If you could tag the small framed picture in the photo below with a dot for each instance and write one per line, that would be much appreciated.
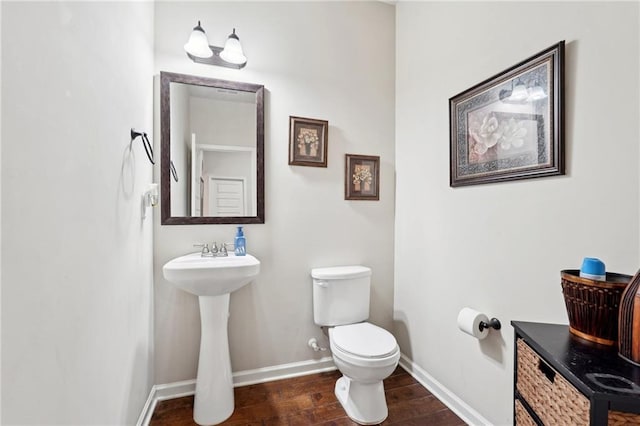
(362, 177)
(308, 140)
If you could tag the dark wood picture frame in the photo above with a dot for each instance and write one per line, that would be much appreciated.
(510, 126)
(308, 141)
(362, 177)
(166, 218)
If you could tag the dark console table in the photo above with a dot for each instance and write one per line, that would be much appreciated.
(562, 379)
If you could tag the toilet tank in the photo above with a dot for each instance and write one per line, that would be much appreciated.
(341, 294)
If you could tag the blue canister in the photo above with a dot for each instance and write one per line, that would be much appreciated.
(593, 269)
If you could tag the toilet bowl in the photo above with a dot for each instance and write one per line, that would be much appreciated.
(365, 355)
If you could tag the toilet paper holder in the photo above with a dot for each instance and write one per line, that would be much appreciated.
(493, 323)
(476, 324)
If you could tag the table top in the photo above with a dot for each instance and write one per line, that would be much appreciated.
(596, 370)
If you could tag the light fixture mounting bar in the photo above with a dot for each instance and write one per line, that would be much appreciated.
(215, 59)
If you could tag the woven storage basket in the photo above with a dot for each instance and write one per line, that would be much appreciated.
(618, 418)
(522, 416)
(592, 306)
(554, 399)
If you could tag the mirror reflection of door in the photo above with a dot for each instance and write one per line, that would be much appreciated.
(226, 196)
(237, 166)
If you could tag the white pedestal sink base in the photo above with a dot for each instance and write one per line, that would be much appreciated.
(212, 279)
(214, 401)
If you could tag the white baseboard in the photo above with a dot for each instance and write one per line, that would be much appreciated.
(163, 392)
(283, 371)
(240, 378)
(448, 398)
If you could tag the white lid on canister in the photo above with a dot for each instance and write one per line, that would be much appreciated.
(340, 272)
(364, 340)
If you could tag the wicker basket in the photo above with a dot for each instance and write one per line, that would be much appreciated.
(593, 306)
(552, 397)
(522, 416)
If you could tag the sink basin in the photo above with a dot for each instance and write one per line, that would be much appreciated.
(212, 279)
(211, 276)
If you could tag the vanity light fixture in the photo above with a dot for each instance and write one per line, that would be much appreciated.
(198, 44)
(200, 51)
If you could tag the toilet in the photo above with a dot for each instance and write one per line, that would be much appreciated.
(364, 353)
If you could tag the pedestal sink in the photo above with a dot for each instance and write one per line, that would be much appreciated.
(212, 279)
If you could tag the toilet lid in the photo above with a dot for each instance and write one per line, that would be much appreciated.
(364, 340)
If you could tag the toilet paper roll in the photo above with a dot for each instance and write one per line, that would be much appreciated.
(469, 322)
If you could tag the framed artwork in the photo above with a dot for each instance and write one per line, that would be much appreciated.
(308, 140)
(511, 125)
(362, 177)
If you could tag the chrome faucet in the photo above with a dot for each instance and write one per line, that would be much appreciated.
(205, 250)
(219, 252)
(214, 251)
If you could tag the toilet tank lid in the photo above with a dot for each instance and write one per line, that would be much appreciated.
(341, 272)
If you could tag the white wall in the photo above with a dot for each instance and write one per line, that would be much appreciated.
(341, 69)
(500, 248)
(224, 122)
(76, 257)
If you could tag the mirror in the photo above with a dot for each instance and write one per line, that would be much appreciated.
(212, 150)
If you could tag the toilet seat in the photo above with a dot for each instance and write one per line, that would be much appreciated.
(364, 340)
(363, 344)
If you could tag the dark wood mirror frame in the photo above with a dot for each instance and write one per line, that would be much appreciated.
(165, 156)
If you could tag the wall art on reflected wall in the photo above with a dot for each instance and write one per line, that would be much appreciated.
(510, 126)
(362, 177)
(308, 140)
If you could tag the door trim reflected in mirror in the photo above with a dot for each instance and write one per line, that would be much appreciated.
(165, 156)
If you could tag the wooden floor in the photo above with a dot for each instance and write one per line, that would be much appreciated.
(309, 400)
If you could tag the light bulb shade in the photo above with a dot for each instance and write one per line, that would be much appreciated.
(198, 44)
(519, 93)
(232, 52)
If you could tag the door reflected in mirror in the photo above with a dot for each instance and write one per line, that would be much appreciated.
(213, 133)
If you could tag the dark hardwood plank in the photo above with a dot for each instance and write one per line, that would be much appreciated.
(310, 400)
(439, 418)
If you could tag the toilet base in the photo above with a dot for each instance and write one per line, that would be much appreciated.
(364, 403)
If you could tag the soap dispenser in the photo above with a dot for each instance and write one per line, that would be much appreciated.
(240, 243)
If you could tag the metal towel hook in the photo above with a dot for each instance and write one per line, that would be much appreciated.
(145, 142)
